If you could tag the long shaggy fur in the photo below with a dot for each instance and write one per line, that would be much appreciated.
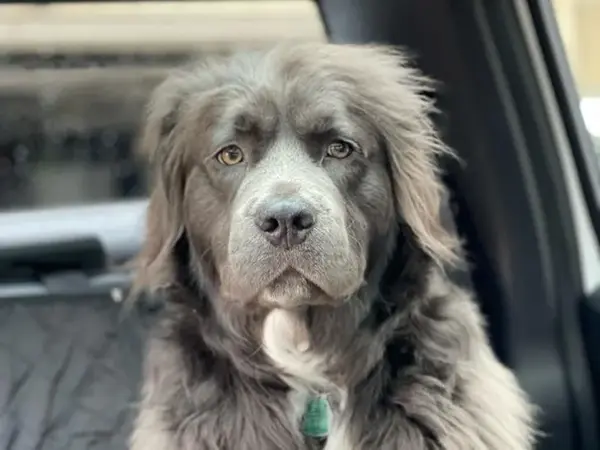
(367, 317)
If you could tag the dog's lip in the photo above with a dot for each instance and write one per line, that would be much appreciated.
(323, 297)
(316, 294)
(323, 290)
(333, 297)
(291, 271)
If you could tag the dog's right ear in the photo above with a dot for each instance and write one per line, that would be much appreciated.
(160, 145)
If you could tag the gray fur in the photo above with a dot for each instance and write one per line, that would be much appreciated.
(251, 330)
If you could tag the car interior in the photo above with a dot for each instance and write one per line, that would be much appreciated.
(74, 76)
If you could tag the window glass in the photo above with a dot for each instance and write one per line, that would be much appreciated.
(74, 78)
(579, 24)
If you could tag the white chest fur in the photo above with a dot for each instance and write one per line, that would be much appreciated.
(287, 342)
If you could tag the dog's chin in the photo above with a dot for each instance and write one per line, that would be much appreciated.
(291, 290)
(289, 284)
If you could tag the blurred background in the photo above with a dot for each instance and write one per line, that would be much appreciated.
(74, 78)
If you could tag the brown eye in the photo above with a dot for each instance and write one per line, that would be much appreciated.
(230, 155)
(339, 149)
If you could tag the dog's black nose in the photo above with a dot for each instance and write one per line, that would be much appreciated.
(286, 222)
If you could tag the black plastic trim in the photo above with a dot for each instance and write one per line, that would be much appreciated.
(521, 50)
(586, 162)
(69, 285)
(28, 260)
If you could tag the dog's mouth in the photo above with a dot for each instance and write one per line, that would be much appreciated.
(291, 290)
(324, 270)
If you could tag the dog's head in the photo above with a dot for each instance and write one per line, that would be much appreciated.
(288, 170)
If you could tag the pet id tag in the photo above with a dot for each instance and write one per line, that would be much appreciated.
(315, 422)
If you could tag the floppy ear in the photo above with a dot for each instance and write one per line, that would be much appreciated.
(403, 117)
(160, 146)
(170, 123)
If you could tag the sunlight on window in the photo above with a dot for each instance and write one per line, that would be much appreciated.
(579, 23)
(590, 107)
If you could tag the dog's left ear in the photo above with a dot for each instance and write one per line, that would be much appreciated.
(403, 118)
(160, 145)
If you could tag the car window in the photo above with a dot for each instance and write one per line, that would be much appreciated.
(74, 78)
(578, 24)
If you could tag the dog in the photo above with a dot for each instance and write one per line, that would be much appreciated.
(294, 230)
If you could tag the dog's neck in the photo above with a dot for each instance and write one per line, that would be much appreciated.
(319, 347)
(307, 348)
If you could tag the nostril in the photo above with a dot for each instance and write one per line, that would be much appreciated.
(285, 222)
(269, 225)
(303, 221)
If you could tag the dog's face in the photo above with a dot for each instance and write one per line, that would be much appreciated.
(286, 169)
(309, 191)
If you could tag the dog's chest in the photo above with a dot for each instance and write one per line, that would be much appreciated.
(286, 342)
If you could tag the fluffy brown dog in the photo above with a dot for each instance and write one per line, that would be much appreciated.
(295, 230)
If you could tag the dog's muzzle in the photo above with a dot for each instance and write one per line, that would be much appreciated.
(289, 236)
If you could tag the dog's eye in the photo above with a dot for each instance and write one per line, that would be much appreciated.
(230, 155)
(340, 149)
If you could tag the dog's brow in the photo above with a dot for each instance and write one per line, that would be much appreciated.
(323, 124)
(245, 123)
(255, 123)
(331, 125)
(314, 124)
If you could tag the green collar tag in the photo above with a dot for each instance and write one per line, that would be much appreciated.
(317, 416)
